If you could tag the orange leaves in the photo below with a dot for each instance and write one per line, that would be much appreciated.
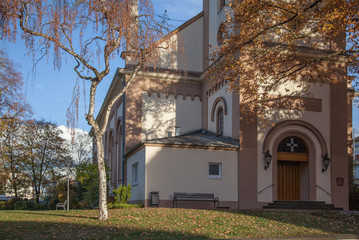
(271, 45)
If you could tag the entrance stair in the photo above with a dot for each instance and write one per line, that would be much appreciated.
(307, 205)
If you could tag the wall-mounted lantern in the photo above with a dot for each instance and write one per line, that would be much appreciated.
(326, 162)
(267, 160)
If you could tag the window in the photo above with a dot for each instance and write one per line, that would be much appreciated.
(220, 4)
(220, 34)
(214, 170)
(135, 174)
(220, 122)
(293, 145)
(177, 131)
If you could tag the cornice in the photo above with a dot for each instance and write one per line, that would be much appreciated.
(164, 75)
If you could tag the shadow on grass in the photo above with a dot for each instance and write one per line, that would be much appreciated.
(330, 222)
(61, 214)
(63, 230)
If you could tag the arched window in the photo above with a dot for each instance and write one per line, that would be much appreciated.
(111, 160)
(220, 5)
(220, 121)
(292, 145)
(119, 156)
(220, 34)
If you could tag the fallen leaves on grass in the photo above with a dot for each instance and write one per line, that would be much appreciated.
(160, 223)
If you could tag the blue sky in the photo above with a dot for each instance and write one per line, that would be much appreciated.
(49, 91)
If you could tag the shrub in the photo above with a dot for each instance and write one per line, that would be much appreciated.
(19, 205)
(354, 201)
(84, 205)
(51, 204)
(3, 205)
(40, 207)
(92, 195)
(122, 194)
(62, 196)
(30, 205)
(124, 205)
(87, 175)
(111, 199)
(24, 205)
(12, 201)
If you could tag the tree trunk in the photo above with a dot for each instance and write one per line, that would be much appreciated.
(102, 178)
(15, 188)
(37, 196)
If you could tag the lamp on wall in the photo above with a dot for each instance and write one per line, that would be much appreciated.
(267, 160)
(326, 162)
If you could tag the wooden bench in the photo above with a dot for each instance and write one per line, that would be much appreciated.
(204, 197)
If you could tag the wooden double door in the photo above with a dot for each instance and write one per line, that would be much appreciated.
(292, 168)
(288, 180)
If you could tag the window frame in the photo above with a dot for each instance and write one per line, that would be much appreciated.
(219, 176)
(220, 130)
(220, 34)
(135, 170)
(220, 5)
(177, 131)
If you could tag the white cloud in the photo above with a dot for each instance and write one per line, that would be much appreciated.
(66, 133)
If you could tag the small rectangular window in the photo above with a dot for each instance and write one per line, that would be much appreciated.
(214, 170)
(135, 174)
(177, 131)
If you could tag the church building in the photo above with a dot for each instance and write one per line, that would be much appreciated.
(175, 131)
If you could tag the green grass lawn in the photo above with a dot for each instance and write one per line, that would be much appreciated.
(160, 223)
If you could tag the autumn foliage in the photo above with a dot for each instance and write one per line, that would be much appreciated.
(268, 44)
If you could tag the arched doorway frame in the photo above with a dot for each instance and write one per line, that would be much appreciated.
(311, 161)
(277, 134)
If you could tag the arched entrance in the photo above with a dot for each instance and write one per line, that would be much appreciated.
(316, 149)
(292, 169)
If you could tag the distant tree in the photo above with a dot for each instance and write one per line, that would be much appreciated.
(44, 151)
(267, 44)
(13, 108)
(16, 181)
(82, 147)
(92, 33)
(12, 101)
(87, 177)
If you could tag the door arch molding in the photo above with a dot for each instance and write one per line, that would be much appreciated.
(311, 161)
(277, 128)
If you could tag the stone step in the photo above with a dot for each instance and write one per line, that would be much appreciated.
(309, 205)
(299, 202)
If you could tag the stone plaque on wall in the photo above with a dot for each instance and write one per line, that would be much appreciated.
(296, 103)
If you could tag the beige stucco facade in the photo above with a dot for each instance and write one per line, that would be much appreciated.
(138, 188)
(184, 48)
(161, 115)
(167, 170)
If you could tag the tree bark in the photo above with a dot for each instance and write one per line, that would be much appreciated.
(102, 178)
